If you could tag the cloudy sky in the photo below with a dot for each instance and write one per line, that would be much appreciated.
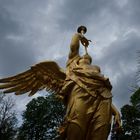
(37, 30)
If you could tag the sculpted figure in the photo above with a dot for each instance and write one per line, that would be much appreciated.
(88, 96)
(84, 90)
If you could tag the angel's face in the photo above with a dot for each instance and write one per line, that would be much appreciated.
(82, 31)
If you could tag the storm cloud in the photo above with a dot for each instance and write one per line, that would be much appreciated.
(32, 31)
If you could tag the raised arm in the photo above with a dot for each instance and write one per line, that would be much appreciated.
(74, 46)
(75, 42)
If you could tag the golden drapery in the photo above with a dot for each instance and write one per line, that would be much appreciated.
(88, 101)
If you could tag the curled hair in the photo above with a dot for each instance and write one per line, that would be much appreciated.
(81, 28)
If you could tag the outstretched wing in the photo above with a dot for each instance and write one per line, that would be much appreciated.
(43, 75)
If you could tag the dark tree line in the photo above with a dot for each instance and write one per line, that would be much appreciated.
(41, 119)
(130, 120)
(131, 113)
(131, 117)
(43, 116)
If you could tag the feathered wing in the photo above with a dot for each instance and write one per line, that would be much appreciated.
(43, 75)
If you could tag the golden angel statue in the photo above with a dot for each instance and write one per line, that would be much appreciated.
(84, 90)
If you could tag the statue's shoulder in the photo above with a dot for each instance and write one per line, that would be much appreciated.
(77, 35)
(73, 60)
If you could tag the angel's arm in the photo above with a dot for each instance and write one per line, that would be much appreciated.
(75, 44)
(116, 115)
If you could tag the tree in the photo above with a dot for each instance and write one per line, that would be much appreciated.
(7, 118)
(41, 119)
(131, 118)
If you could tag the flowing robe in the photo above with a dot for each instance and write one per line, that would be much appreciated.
(88, 99)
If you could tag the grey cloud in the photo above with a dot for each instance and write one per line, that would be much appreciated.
(123, 90)
(122, 50)
(120, 59)
(32, 30)
(124, 15)
(132, 12)
(15, 58)
(7, 25)
(15, 54)
(79, 12)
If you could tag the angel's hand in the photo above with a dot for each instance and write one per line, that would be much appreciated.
(85, 42)
(117, 119)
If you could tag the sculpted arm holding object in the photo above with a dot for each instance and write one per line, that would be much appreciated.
(75, 42)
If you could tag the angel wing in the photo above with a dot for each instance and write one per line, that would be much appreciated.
(43, 75)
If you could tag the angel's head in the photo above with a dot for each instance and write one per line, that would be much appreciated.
(86, 59)
(82, 29)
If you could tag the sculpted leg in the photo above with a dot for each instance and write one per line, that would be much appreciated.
(99, 126)
(101, 133)
(74, 132)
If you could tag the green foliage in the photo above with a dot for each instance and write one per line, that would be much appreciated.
(41, 119)
(131, 118)
(135, 98)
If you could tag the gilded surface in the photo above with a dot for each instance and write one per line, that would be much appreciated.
(88, 96)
